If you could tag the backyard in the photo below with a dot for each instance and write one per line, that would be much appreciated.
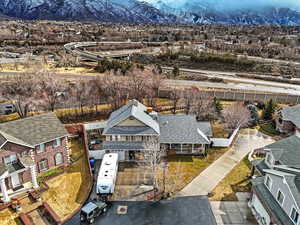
(236, 181)
(67, 191)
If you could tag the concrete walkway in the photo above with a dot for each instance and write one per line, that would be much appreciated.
(206, 181)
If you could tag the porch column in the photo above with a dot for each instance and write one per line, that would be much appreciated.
(4, 191)
(193, 148)
(33, 177)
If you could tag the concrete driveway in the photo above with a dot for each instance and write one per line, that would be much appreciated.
(232, 213)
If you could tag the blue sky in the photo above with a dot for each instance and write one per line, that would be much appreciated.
(233, 4)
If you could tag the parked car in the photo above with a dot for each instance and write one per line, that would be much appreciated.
(92, 210)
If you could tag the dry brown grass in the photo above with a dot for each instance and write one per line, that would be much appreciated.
(8, 217)
(69, 190)
(183, 169)
(236, 181)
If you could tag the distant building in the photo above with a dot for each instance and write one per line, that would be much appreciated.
(28, 148)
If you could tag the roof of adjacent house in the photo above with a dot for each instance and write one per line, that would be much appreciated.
(287, 150)
(260, 165)
(291, 113)
(133, 109)
(182, 128)
(34, 130)
(270, 202)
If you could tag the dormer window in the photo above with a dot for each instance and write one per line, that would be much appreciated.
(268, 182)
(294, 216)
(280, 197)
(269, 159)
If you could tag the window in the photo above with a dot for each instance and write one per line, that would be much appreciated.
(269, 159)
(268, 182)
(40, 148)
(24, 153)
(295, 216)
(58, 158)
(10, 159)
(280, 197)
(43, 164)
(57, 142)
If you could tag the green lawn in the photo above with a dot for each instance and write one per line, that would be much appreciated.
(268, 129)
(236, 181)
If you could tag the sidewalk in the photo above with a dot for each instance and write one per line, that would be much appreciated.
(206, 181)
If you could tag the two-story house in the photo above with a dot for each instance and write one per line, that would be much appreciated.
(28, 148)
(288, 119)
(276, 191)
(130, 128)
(276, 196)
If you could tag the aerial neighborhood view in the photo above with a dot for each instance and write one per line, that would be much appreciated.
(150, 112)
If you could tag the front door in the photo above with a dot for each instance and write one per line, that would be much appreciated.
(15, 180)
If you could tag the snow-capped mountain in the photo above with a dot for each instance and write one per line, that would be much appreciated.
(283, 12)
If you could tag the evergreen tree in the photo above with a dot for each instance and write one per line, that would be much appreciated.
(269, 110)
(218, 105)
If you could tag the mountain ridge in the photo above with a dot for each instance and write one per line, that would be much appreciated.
(139, 11)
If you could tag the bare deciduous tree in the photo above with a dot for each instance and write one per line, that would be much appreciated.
(21, 90)
(175, 97)
(237, 115)
(153, 160)
(52, 90)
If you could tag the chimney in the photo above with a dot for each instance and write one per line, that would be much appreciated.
(149, 110)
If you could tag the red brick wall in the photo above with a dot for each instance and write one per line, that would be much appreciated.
(49, 154)
(10, 148)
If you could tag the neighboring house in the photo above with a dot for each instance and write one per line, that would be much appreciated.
(28, 148)
(283, 152)
(288, 119)
(276, 191)
(130, 128)
(276, 197)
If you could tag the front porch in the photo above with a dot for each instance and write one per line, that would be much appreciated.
(189, 149)
(17, 177)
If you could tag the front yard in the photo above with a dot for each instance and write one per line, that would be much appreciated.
(183, 169)
(236, 181)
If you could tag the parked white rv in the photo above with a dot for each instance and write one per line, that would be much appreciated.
(107, 174)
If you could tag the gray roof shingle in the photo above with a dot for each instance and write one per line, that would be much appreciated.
(183, 129)
(134, 109)
(291, 113)
(34, 130)
(286, 151)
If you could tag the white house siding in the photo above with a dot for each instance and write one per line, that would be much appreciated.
(130, 122)
(259, 211)
(98, 154)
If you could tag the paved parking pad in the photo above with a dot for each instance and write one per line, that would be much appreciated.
(232, 213)
(194, 210)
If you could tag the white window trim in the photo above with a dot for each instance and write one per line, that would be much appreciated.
(293, 207)
(38, 150)
(271, 182)
(277, 197)
(271, 159)
(55, 145)
(45, 169)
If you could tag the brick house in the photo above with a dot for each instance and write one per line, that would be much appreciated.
(28, 148)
